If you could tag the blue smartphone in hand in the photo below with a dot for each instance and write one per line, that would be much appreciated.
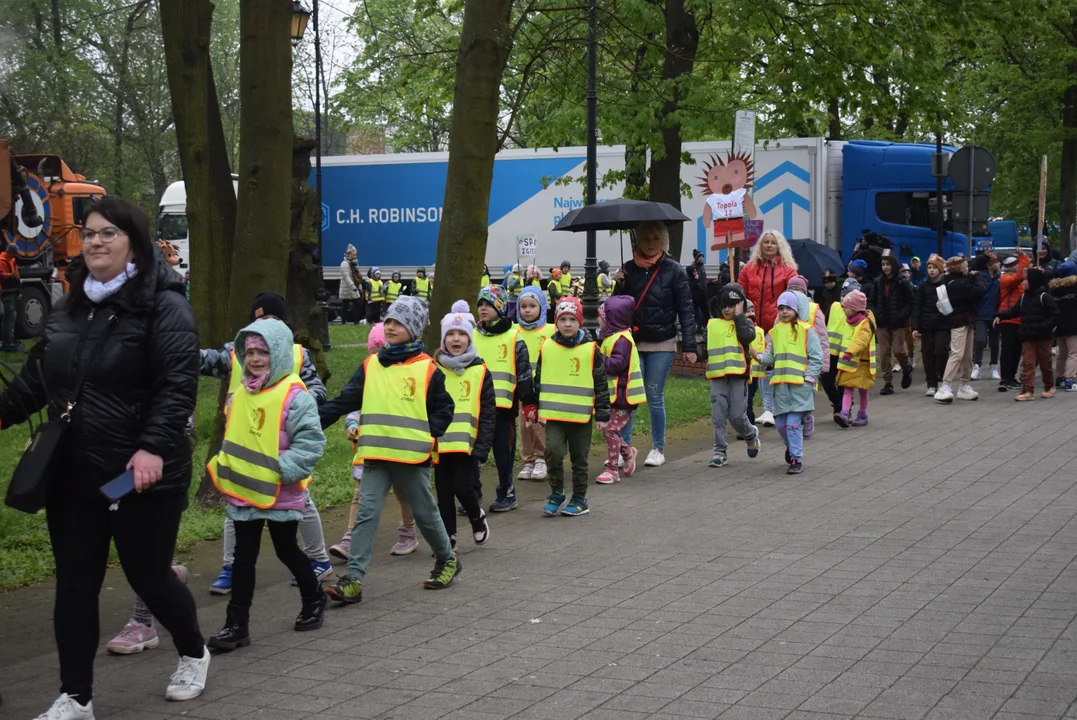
(116, 489)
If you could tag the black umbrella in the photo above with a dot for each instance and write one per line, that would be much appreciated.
(620, 214)
(813, 258)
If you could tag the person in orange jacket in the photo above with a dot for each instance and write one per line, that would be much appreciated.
(1010, 291)
(10, 282)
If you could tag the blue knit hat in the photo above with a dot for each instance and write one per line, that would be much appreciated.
(1067, 269)
(540, 296)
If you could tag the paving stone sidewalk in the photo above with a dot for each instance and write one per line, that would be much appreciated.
(922, 567)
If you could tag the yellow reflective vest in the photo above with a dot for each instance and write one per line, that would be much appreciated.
(790, 353)
(393, 423)
(247, 466)
(422, 288)
(392, 291)
(848, 335)
(499, 354)
(377, 290)
(235, 378)
(567, 389)
(725, 355)
(534, 339)
(635, 394)
(466, 391)
(759, 344)
(566, 282)
(836, 325)
(484, 282)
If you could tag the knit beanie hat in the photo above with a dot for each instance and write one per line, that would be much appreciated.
(937, 262)
(798, 282)
(569, 306)
(268, 303)
(376, 340)
(958, 265)
(789, 300)
(850, 285)
(855, 302)
(749, 306)
(1010, 263)
(495, 295)
(1067, 269)
(459, 318)
(1036, 278)
(858, 267)
(412, 313)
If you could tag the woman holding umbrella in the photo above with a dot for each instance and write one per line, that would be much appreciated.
(660, 287)
(764, 278)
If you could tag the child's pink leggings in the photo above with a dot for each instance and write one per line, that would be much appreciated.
(847, 401)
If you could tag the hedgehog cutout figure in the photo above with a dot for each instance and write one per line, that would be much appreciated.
(728, 202)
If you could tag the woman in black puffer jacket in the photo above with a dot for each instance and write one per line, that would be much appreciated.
(930, 325)
(660, 304)
(127, 322)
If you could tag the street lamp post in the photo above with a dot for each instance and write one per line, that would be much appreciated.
(590, 263)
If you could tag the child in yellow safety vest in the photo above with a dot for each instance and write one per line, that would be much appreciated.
(466, 444)
(625, 378)
(534, 330)
(794, 351)
(856, 361)
(272, 441)
(570, 377)
(757, 370)
(730, 335)
(503, 349)
(400, 393)
(406, 540)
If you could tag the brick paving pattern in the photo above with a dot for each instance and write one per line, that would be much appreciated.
(920, 568)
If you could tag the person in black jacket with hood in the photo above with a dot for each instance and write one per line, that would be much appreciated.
(930, 325)
(663, 296)
(893, 307)
(1038, 311)
(126, 322)
(964, 290)
(1064, 288)
(828, 294)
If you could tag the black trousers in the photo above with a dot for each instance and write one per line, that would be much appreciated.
(829, 381)
(1010, 352)
(144, 527)
(349, 311)
(373, 312)
(753, 387)
(453, 476)
(248, 541)
(935, 352)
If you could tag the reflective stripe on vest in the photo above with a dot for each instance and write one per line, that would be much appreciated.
(247, 467)
(725, 356)
(533, 339)
(636, 394)
(847, 340)
(499, 354)
(760, 345)
(235, 377)
(567, 393)
(393, 424)
(392, 291)
(422, 288)
(790, 354)
(835, 328)
(377, 290)
(466, 391)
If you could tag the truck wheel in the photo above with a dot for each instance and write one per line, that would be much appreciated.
(33, 313)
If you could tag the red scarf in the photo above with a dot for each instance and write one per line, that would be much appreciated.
(646, 262)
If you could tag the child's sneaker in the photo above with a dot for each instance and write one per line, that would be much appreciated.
(795, 467)
(223, 584)
(1059, 382)
(67, 707)
(1025, 397)
(861, 419)
(630, 462)
(346, 590)
(322, 571)
(607, 478)
(945, 394)
(842, 419)
(1071, 386)
(553, 504)
(480, 528)
(539, 472)
(1048, 393)
(809, 426)
(719, 460)
(526, 471)
(576, 506)
(134, 638)
(343, 548)
(504, 504)
(443, 574)
(753, 444)
(931, 390)
(406, 542)
(965, 392)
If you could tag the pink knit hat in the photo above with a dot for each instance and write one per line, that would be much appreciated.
(376, 338)
(855, 302)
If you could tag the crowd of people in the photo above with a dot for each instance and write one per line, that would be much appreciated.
(521, 365)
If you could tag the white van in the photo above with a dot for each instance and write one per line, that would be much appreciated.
(172, 221)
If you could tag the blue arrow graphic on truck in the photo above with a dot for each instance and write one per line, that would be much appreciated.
(785, 168)
(786, 198)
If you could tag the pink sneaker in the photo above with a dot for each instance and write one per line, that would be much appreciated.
(343, 548)
(630, 462)
(607, 478)
(406, 542)
(181, 573)
(134, 638)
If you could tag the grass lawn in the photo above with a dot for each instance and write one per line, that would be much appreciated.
(25, 554)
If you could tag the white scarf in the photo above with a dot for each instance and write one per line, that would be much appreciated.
(98, 291)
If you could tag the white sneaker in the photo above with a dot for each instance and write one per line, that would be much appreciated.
(931, 391)
(1054, 351)
(975, 372)
(67, 708)
(994, 373)
(767, 419)
(526, 472)
(965, 392)
(897, 367)
(189, 680)
(539, 473)
(945, 394)
(912, 360)
(655, 458)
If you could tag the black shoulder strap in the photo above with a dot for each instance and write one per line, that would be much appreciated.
(84, 368)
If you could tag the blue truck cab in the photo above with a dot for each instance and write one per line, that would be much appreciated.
(888, 188)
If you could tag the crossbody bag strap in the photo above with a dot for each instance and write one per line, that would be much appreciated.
(84, 368)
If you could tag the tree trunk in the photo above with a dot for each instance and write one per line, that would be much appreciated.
(682, 39)
(260, 254)
(485, 42)
(211, 201)
(833, 111)
(636, 147)
(304, 278)
(1067, 186)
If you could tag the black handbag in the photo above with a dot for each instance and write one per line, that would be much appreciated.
(31, 484)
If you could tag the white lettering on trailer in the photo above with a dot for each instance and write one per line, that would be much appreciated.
(349, 217)
(404, 215)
